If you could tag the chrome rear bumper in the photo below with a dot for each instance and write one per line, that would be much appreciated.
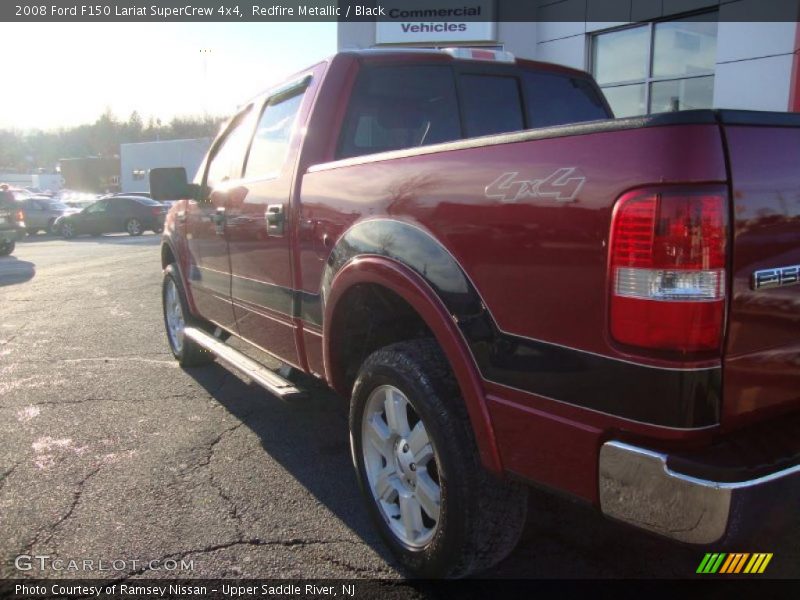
(638, 487)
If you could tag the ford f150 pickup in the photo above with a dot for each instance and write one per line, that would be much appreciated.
(511, 287)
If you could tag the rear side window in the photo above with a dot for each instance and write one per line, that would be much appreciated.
(271, 140)
(559, 99)
(491, 104)
(399, 107)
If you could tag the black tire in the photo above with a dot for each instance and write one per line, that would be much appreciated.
(158, 230)
(134, 227)
(190, 354)
(7, 248)
(481, 517)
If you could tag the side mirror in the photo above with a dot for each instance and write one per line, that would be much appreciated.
(170, 183)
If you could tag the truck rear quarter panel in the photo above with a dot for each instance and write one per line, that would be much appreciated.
(539, 264)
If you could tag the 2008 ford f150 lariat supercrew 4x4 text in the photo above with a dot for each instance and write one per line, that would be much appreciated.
(511, 287)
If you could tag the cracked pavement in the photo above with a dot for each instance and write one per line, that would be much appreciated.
(111, 451)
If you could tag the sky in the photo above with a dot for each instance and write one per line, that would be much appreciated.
(65, 74)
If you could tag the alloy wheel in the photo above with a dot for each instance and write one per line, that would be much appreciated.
(401, 466)
(134, 227)
(174, 315)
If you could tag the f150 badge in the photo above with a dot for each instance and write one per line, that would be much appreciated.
(560, 186)
(778, 277)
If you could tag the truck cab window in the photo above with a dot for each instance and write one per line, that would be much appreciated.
(555, 99)
(491, 104)
(228, 159)
(400, 107)
(271, 140)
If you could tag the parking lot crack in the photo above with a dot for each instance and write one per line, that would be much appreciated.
(7, 341)
(50, 532)
(253, 542)
(233, 509)
(5, 475)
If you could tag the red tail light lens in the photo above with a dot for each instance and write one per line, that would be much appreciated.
(158, 210)
(668, 269)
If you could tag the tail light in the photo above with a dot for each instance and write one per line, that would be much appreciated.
(158, 211)
(20, 218)
(668, 269)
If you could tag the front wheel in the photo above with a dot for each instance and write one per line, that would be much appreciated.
(134, 227)
(7, 248)
(441, 513)
(176, 315)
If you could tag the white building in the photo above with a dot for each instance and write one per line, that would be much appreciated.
(42, 181)
(136, 160)
(665, 55)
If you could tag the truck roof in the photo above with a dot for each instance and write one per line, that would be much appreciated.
(444, 54)
(450, 55)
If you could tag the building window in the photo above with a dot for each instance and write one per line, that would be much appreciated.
(139, 175)
(657, 67)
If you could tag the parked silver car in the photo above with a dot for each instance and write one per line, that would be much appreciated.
(41, 213)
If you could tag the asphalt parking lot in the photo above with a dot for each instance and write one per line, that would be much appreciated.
(110, 451)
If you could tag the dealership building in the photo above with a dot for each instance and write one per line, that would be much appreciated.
(137, 159)
(662, 55)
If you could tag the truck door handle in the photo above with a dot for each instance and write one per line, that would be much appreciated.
(275, 218)
(219, 221)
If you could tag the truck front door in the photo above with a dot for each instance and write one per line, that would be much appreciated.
(259, 224)
(209, 272)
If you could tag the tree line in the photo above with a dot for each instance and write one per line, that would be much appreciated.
(25, 151)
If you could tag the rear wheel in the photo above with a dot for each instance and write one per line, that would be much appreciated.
(7, 248)
(67, 230)
(439, 510)
(176, 316)
(134, 227)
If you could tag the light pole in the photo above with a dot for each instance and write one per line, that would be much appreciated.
(204, 53)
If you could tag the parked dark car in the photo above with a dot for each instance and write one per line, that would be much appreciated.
(41, 213)
(11, 223)
(128, 194)
(134, 214)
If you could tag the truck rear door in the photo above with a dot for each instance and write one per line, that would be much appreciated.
(762, 363)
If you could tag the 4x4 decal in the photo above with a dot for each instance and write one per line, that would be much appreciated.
(558, 186)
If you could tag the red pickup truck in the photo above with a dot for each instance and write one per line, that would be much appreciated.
(512, 288)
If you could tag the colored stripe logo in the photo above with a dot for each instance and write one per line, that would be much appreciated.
(734, 563)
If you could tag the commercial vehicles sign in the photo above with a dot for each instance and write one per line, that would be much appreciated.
(437, 22)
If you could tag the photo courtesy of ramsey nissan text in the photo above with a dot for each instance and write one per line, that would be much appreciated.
(413, 299)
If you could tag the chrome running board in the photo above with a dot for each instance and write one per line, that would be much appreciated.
(270, 380)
